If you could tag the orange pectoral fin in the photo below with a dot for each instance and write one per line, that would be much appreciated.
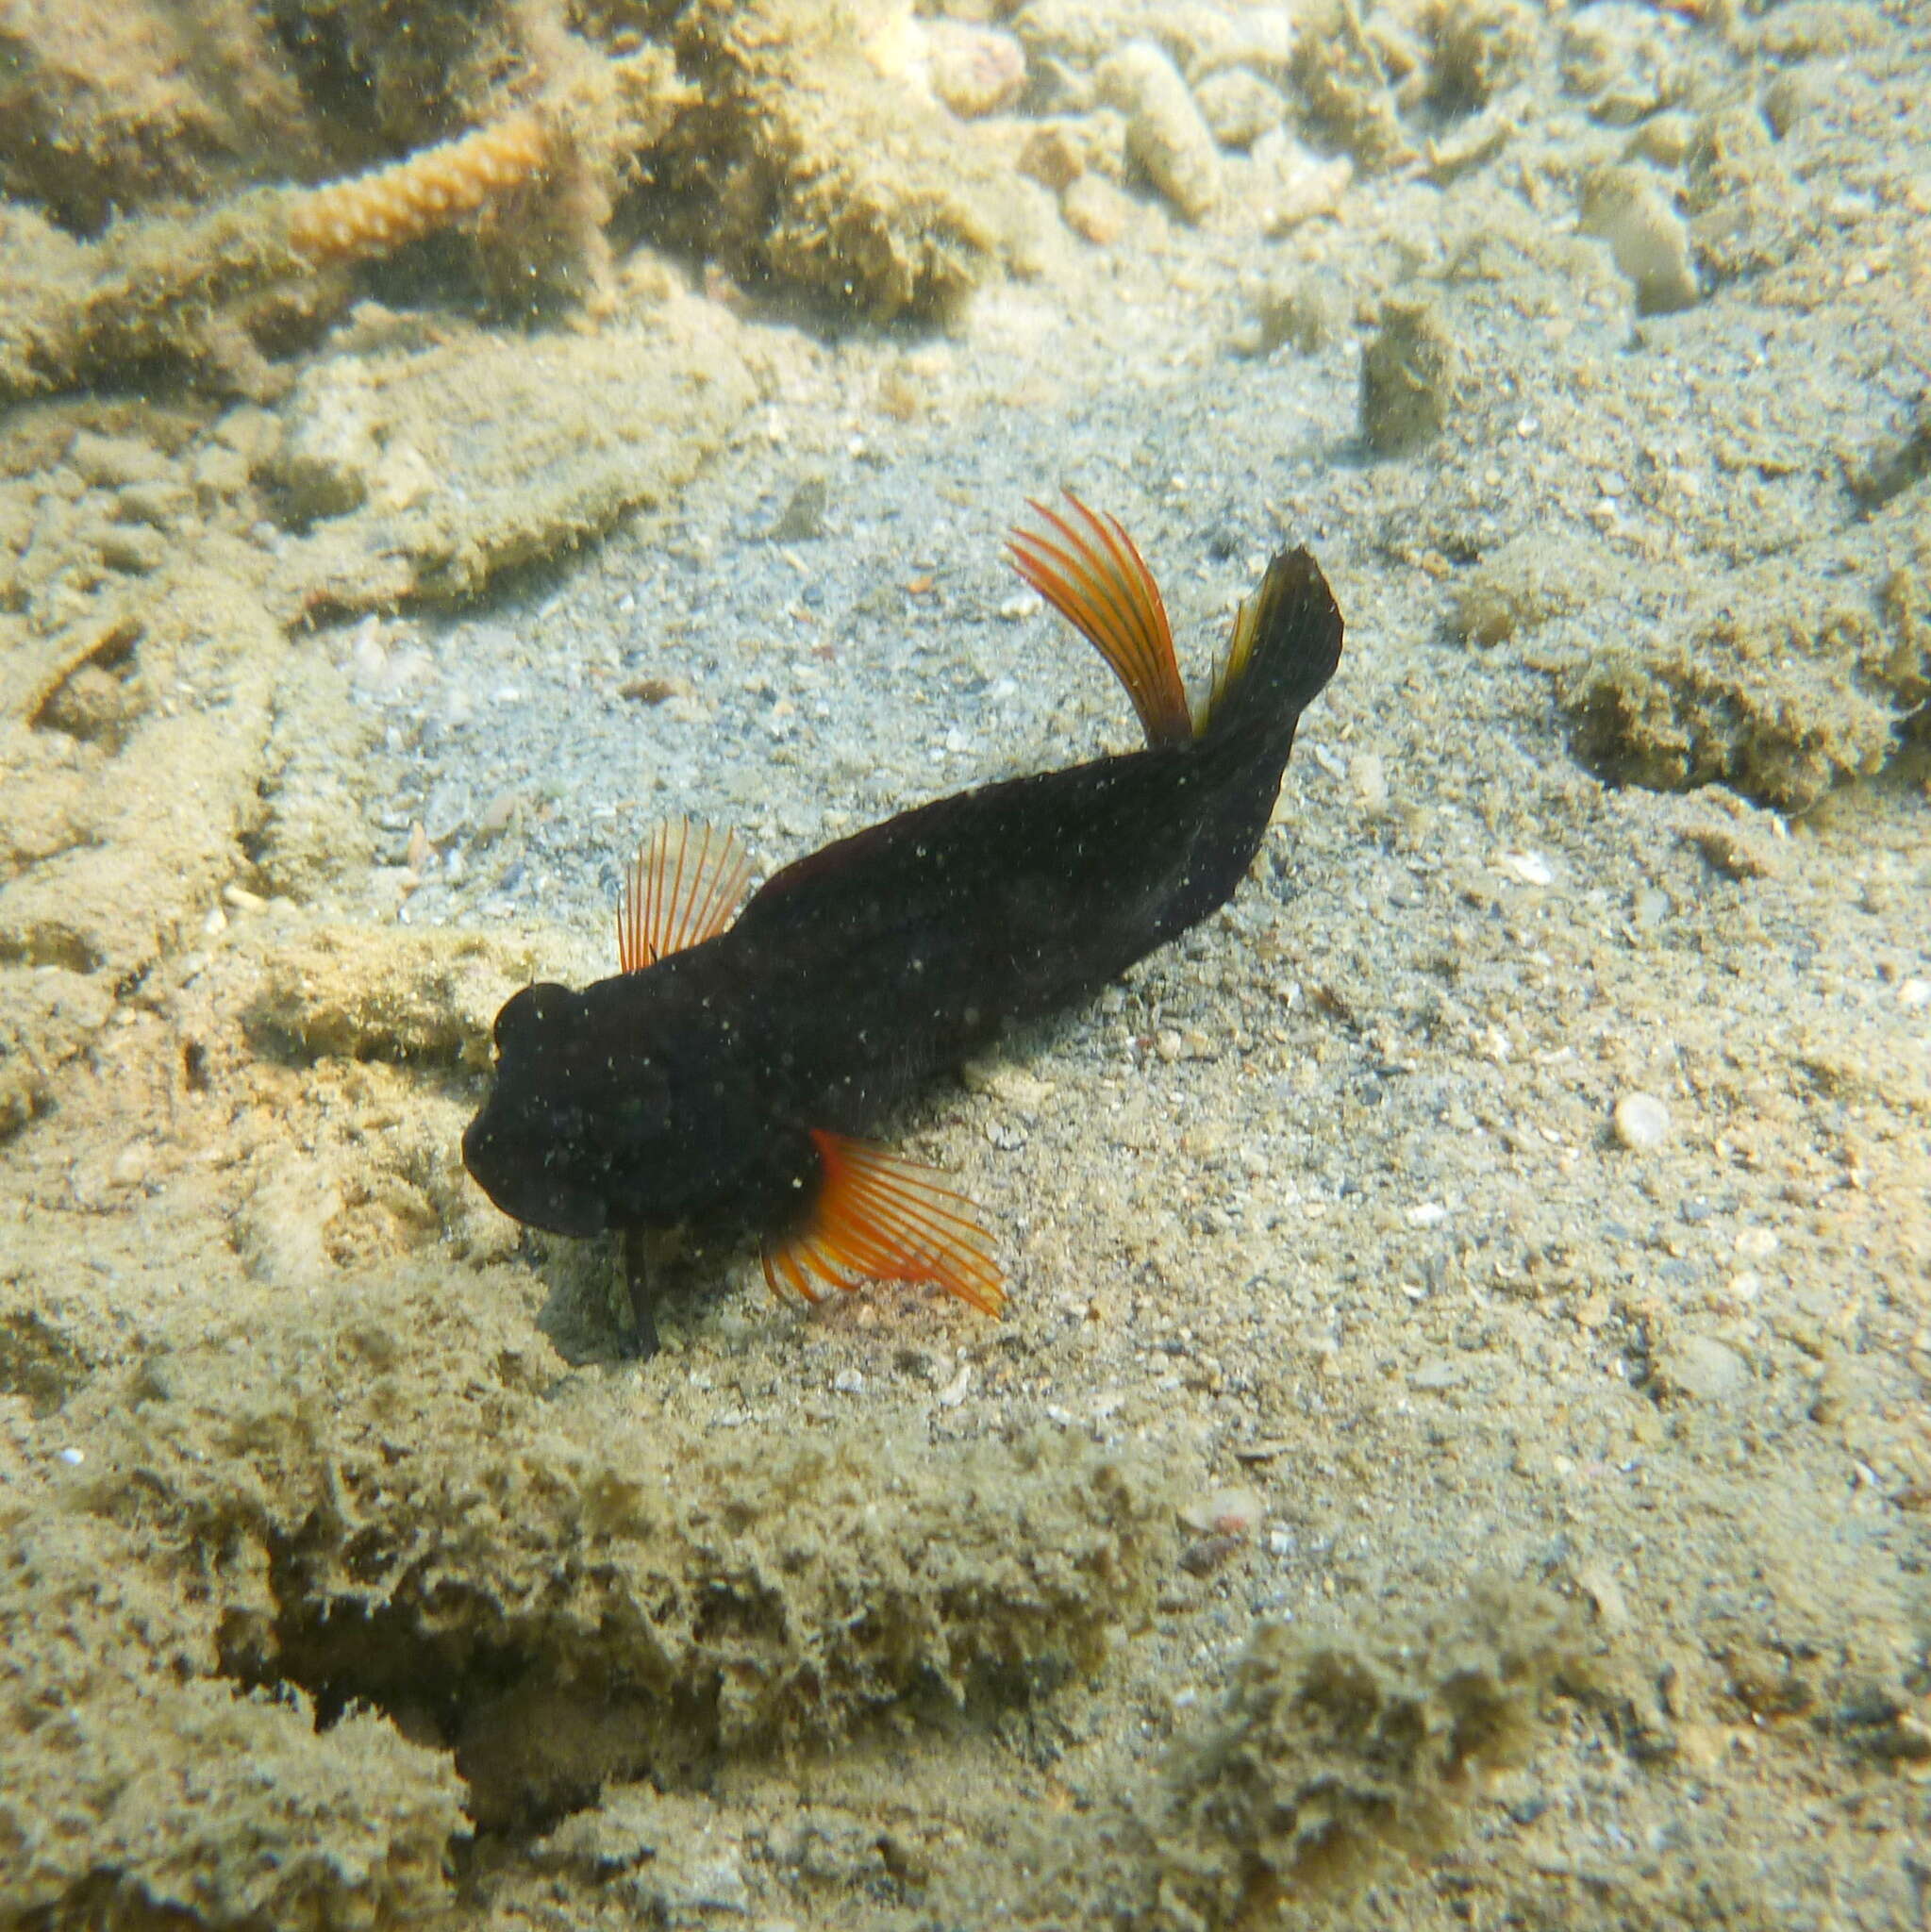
(683, 888)
(1101, 585)
(880, 1216)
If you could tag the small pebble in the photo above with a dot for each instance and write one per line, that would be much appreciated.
(974, 70)
(1294, 185)
(132, 1165)
(1529, 868)
(1051, 155)
(1233, 1511)
(1001, 1080)
(1369, 776)
(493, 820)
(1204, 1558)
(160, 502)
(1095, 210)
(654, 690)
(802, 520)
(1238, 108)
(110, 462)
(1642, 1121)
(1702, 1368)
(133, 547)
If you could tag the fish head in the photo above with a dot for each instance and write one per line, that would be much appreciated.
(572, 1106)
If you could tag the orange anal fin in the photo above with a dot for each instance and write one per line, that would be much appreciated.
(682, 888)
(1099, 582)
(880, 1216)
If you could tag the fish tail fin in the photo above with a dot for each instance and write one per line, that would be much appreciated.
(1286, 643)
(1090, 572)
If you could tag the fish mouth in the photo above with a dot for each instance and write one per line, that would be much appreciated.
(526, 1185)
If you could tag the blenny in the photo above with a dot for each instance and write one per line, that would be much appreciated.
(732, 1068)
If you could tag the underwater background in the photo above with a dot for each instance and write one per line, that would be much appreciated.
(1457, 1450)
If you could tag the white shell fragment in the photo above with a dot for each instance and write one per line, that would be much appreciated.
(1640, 1121)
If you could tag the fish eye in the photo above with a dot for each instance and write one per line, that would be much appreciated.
(525, 1013)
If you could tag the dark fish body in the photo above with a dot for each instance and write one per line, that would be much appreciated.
(703, 1083)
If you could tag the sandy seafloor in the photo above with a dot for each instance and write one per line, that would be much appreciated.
(1390, 1498)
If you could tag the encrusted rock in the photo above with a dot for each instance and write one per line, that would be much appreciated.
(1238, 106)
(974, 70)
(1095, 210)
(1166, 137)
(1480, 46)
(1627, 207)
(1410, 377)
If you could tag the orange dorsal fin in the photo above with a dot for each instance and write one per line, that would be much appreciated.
(683, 888)
(1095, 579)
(880, 1216)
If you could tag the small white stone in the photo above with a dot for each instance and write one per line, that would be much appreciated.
(1531, 868)
(1700, 1368)
(1642, 1121)
(849, 1382)
(1370, 779)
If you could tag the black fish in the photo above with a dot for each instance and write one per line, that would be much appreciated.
(730, 1067)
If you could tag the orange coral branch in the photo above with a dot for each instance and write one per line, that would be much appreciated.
(372, 213)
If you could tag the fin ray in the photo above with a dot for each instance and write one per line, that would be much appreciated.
(1101, 585)
(880, 1216)
(682, 889)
